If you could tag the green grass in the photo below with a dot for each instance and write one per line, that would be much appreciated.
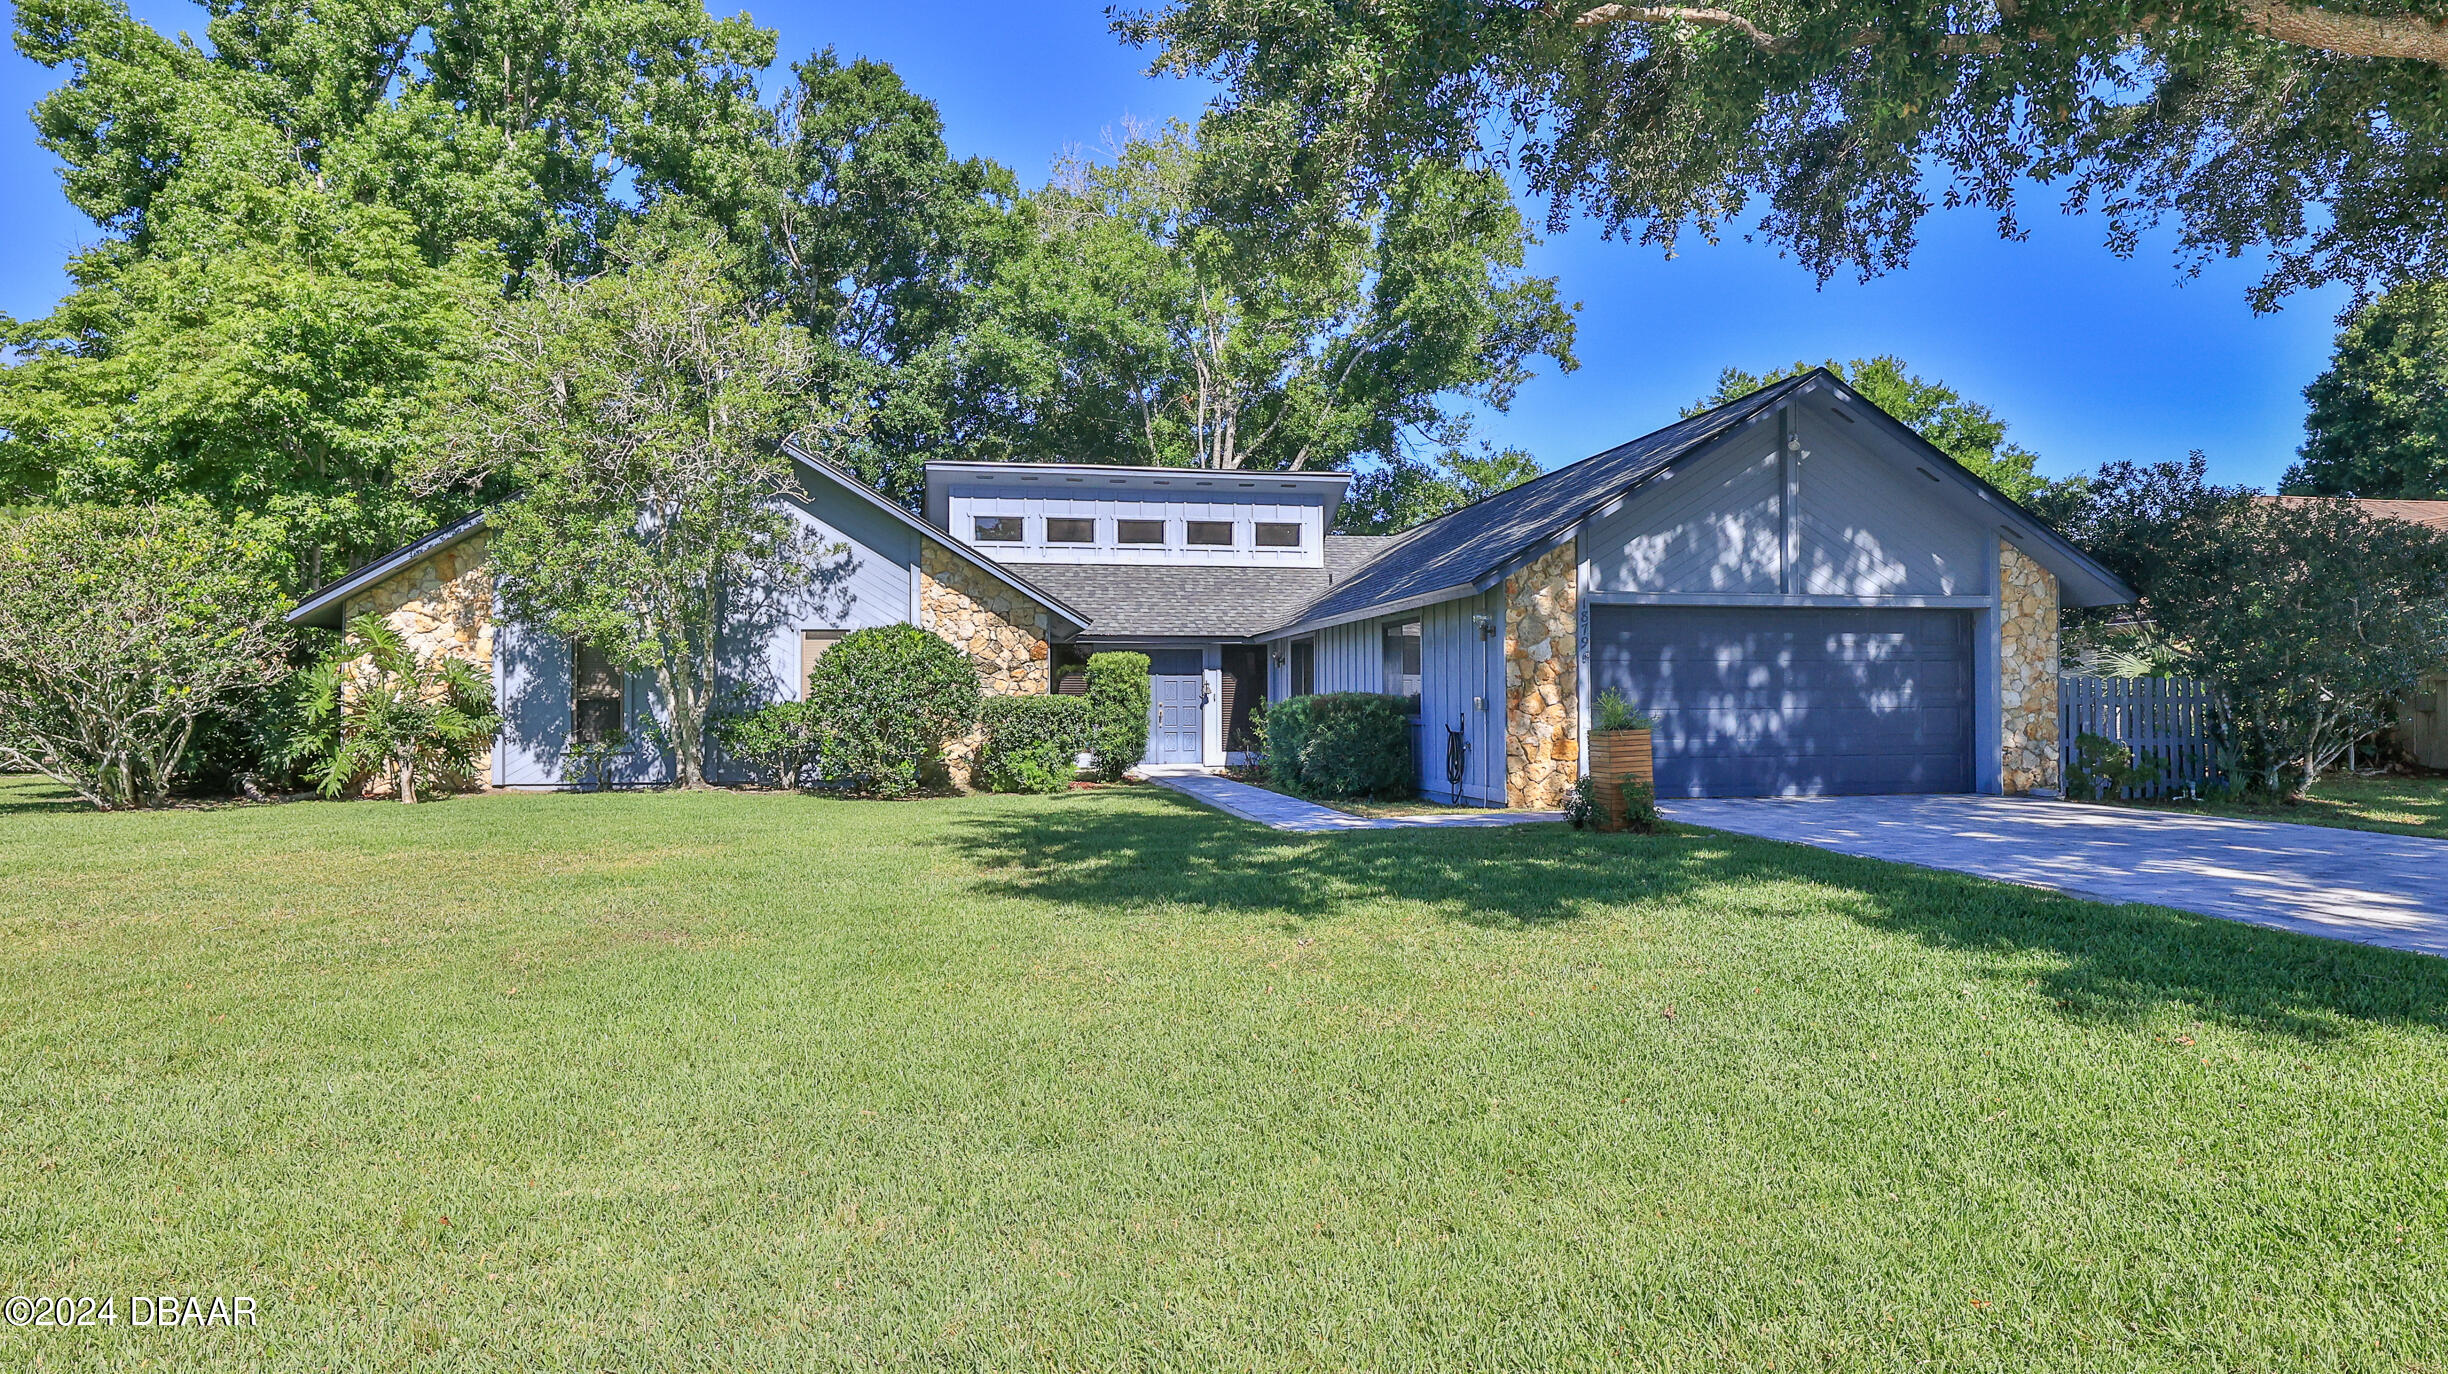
(2397, 804)
(1105, 1081)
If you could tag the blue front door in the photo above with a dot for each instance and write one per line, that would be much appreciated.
(1178, 734)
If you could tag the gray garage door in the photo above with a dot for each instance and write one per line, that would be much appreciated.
(1756, 703)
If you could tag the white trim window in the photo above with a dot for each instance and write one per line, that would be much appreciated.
(1402, 662)
(598, 694)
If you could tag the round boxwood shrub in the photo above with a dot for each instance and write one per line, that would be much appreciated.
(1033, 744)
(1118, 701)
(1341, 744)
(882, 702)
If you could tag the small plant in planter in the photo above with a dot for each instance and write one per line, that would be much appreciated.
(1619, 754)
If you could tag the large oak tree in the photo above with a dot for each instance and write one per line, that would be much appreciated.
(2311, 131)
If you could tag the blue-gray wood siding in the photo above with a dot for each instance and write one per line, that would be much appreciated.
(1461, 684)
(866, 579)
(1875, 526)
(1712, 527)
(1865, 524)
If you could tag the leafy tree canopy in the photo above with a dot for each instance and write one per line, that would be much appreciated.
(275, 369)
(2310, 616)
(1406, 491)
(301, 212)
(1139, 324)
(509, 123)
(2378, 425)
(864, 230)
(1964, 430)
(638, 417)
(2312, 132)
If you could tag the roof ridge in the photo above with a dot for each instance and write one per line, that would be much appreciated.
(1707, 425)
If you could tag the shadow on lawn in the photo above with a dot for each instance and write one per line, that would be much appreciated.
(24, 794)
(2114, 962)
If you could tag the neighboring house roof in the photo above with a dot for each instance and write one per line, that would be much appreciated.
(1202, 601)
(2431, 513)
(323, 606)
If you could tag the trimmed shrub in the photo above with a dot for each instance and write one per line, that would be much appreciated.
(882, 703)
(121, 631)
(2101, 768)
(777, 741)
(1033, 744)
(1119, 700)
(1341, 744)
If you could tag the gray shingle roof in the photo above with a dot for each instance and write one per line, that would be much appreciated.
(1457, 549)
(1128, 600)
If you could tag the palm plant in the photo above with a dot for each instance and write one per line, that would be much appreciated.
(376, 705)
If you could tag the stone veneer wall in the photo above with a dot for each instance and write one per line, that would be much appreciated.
(2027, 672)
(442, 604)
(1542, 695)
(1006, 633)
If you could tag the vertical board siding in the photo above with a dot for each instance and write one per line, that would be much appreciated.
(1350, 658)
(1711, 527)
(865, 579)
(2159, 718)
(1453, 676)
(1870, 526)
(1461, 682)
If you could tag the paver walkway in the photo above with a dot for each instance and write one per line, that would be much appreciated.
(2346, 884)
(1276, 810)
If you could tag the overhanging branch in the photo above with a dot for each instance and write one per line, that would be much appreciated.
(2349, 34)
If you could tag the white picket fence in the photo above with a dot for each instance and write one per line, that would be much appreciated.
(2162, 718)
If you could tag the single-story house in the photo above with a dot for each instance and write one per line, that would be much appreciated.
(1805, 595)
(2422, 718)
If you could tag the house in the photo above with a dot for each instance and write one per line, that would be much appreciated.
(1805, 595)
(2422, 719)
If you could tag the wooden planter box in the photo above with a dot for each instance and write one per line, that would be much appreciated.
(1613, 756)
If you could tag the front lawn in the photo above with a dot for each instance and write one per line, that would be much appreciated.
(2396, 803)
(1106, 1081)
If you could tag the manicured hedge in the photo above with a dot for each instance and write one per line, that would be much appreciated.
(1033, 743)
(1118, 699)
(882, 702)
(1341, 744)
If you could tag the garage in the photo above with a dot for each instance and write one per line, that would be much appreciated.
(1795, 702)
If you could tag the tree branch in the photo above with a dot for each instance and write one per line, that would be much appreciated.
(2349, 34)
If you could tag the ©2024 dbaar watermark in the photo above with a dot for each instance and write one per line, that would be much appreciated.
(161, 1311)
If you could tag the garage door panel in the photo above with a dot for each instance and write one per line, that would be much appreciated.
(1759, 702)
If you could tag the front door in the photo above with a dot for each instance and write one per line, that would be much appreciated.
(1178, 732)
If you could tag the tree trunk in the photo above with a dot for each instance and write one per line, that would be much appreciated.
(688, 763)
(407, 777)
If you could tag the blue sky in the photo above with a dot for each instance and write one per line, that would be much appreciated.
(2089, 357)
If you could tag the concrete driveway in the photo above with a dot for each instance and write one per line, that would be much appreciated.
(2345, 884)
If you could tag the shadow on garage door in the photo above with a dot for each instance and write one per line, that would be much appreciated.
(1766, 703)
